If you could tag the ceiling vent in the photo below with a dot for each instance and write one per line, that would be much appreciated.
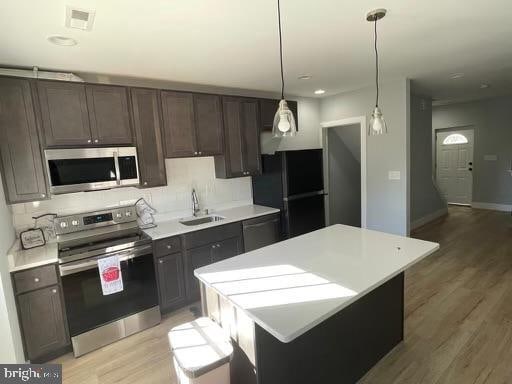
(79, 18)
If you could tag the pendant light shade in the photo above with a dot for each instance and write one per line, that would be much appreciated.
(377, 124)
(284, 122)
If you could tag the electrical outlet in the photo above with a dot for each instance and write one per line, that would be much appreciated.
(394, 175)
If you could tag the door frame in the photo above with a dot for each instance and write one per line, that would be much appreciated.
(361, 120)
(469, 127)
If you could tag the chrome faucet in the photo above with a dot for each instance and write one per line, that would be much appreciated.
(195, 203)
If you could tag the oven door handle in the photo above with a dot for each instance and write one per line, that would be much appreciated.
(79, 266)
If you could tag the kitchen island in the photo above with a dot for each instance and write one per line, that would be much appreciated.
(323, 307)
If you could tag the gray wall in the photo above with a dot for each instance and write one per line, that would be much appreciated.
(492, 184)
(425, 197)
(11, 350)
(344, 175)
(387, 200)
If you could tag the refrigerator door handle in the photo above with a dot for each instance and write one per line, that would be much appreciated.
(303, 195)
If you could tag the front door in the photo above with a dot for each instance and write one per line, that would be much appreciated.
(454, 165)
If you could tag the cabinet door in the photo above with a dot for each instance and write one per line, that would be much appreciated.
(268, 109)
(208, 124)
(178, 120)
(43, 323)
(22, 165)
(146, 121)
(109, 115)
(226, 248)
(64, 114)
(232, 109)
(251, 137)
(171, 281)
(196, 258)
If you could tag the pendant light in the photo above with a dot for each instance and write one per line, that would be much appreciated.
(284, 121)
(377, 124)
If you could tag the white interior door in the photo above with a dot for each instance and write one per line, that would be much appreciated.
(454, 165)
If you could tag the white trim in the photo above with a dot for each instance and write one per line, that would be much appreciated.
(492, 206)
(428, 218)
(361, 120)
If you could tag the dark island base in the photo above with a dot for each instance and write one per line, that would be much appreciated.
(339, 350)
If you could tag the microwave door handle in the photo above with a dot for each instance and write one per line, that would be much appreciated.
(116, 164)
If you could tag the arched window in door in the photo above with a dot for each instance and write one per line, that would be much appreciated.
(455, 138)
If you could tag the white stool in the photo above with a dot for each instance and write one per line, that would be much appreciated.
(202, 352)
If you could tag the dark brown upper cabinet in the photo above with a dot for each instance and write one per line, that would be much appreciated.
(241, 139)
(109, 115)
(192, 124)
(178, 120)
(64, 112)
(22, 165)
(208, 124)
(75, 114)
(147, 124)
(268, 109)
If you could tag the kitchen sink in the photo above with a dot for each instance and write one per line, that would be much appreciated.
(201, 220)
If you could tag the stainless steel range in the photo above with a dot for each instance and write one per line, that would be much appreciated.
(96, 319)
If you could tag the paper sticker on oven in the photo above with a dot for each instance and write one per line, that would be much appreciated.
(110, 275)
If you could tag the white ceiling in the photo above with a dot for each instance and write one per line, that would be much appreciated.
(233, 43)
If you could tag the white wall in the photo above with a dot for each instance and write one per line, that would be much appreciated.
(492, 183)
(426, 201)
(171, 201)
(388, 200)
(11, 349)
(308, 135)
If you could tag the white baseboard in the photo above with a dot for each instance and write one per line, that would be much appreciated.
(428, 218)
(492, 206)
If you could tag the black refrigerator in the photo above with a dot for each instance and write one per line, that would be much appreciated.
(293, 182)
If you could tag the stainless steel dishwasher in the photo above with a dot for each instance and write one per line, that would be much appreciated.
(261, 231)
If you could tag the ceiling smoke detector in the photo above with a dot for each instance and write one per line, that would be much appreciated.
(79, 18)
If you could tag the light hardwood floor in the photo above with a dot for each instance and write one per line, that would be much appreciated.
(458, 325)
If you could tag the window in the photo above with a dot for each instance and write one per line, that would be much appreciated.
(455, 138)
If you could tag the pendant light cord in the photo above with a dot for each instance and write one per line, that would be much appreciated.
(280, 48)
(376, 66)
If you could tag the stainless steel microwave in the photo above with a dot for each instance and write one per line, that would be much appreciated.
(90, 169)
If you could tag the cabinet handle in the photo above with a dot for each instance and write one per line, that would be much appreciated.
(145, 183)
(96, 140)
(195, 153)
(54, 290)
(36, 279)
(89, 141)
(200, 153)
(160, 261)
(43, 195)
(168, 246)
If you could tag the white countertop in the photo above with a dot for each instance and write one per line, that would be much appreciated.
(19, 259)
(290, 287)
(231, 215)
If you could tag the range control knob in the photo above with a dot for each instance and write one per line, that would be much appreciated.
(119, 215)
(75, 223)
(128, 213)
(63, 224)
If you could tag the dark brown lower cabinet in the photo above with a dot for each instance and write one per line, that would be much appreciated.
(196, 258)
(43, 323)
(171, 281)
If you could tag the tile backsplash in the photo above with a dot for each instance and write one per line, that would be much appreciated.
(171, 202)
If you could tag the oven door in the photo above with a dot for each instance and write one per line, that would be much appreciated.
(87, 307)
(87, 169)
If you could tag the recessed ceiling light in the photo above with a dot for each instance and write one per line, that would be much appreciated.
(304, 77)
(458, 75)
(62, 40)
(319, 92)
(484, 86)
